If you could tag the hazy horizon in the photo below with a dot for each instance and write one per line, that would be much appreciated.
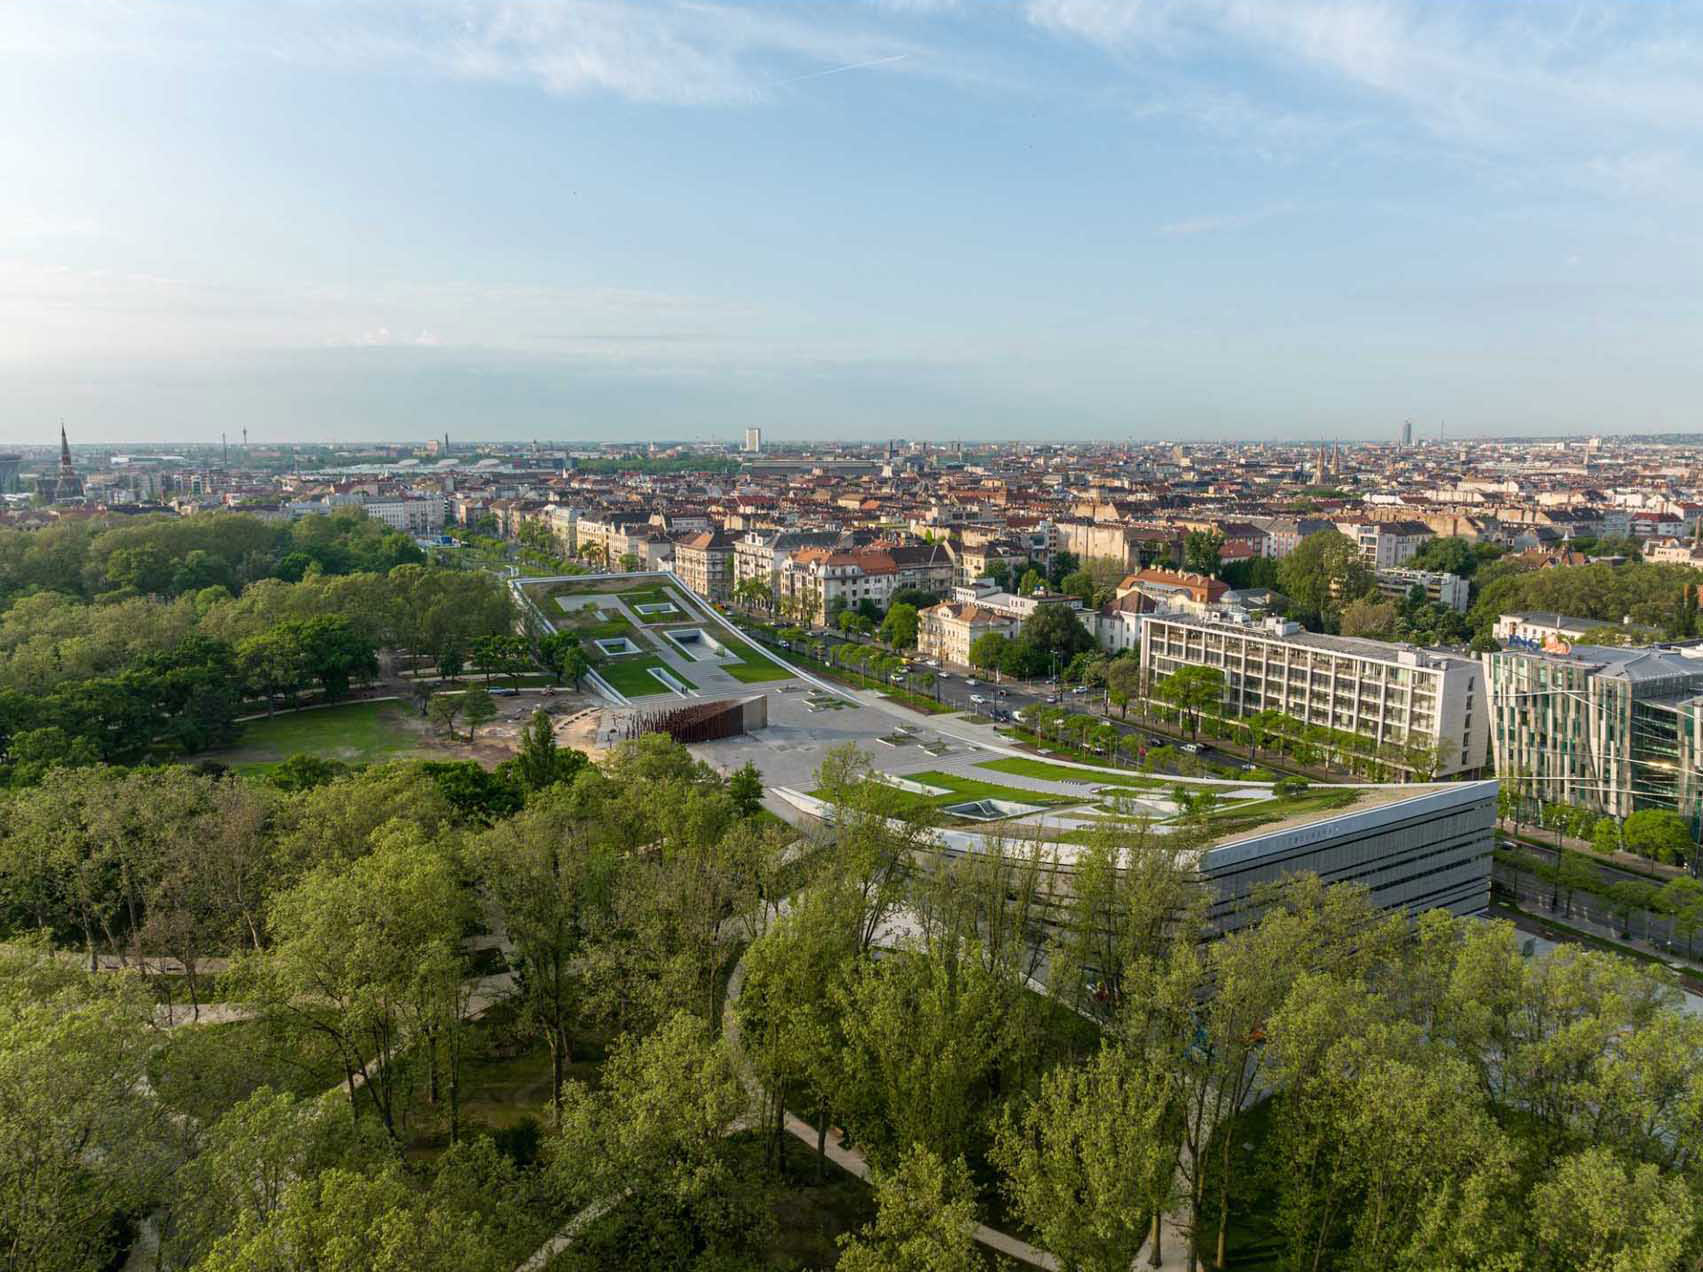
(1075, 219)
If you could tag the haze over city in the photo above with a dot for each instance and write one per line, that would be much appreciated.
(1058, 219)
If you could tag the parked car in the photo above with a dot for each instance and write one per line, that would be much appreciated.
(1193, 748)
(504, 693)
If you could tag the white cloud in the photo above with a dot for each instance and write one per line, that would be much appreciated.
(1225, 221)
(680, 52)
(1494, 75)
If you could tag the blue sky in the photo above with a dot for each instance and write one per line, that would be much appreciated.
(608, 219)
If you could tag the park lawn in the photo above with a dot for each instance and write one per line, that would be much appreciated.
(590, 585)
(1235, 818)
(544, 594)
(355, 733)
(630, 674)
(1018, 766)
(657, 596)
(959, 790)
(591, 623)
(754, 666)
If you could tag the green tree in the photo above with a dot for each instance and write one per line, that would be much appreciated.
(540, 762)
(1372, 1126)
(247, 1160)
(1324, 572)
(334, 652)
(1605, 836)
(924, 1035)
(343, 1221)
(1123, 682)
(1363, 616)
(899, 628)
(654, 1135)
(477, 708)
(81, 1142)
(1203, 551)
(361, 956)
(988, 651)
(1575, 873)
(273, 664)
(1191, 689)
(1089, 1160)
(790, 1027)
(444, 709)
(1594, 1211)
(1446, 555)
(1659, 834)
(1079, 584)
(925, 1215)
(543, 872)
(745, 786)
(1055, 630)
(1627, 898)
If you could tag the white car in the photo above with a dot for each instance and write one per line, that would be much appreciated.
(969, 680)
(977, 699)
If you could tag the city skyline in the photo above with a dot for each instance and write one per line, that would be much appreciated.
(1062, 219)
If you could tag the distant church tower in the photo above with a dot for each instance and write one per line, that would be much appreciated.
(68, 486)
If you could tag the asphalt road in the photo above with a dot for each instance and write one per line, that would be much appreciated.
(1003, 698)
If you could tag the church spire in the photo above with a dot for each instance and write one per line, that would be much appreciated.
(64, 447)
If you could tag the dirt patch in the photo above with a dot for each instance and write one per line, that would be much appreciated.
(498, 739)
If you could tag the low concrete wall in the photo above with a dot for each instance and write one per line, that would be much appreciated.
(756, 710)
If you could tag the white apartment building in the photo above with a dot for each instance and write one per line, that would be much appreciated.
(1443, 589)
(617, 535)
(1387, 544)
(946, 631)
(1393, 694)
(411, 515)
(762, 554)
(564, 527)
(1284, 534)
(1010, 604)
(1118, 630)
(1535, 629)
(705, 562)
(826, 580)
